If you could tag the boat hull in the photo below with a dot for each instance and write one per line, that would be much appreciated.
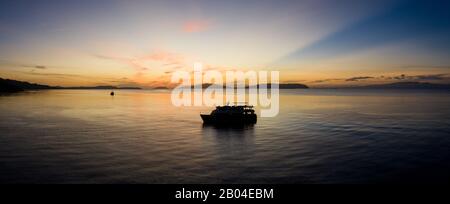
(228, 119)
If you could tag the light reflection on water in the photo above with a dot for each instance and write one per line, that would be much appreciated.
(319, 136)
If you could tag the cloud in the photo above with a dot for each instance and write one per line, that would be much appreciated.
(325, 80)
(160, 60)
(359, 78)
(140, 63)
(400, 77)
(170, 64)
(168, 58)
(432, 77)
(345, 82)
(425, 66)
(120, 80)
(18, 64)
(132, 62)
(35, 66)
(194, 26)
(293, 81)
(421, 77)
(52, 74)
(123, 82)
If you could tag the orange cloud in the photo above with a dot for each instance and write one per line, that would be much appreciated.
(139, 63)
(194, 26)
(167, 61)
(162, 56)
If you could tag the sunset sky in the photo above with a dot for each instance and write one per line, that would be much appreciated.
(140, 43)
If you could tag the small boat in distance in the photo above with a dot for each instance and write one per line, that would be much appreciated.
(112, 93)
(226, 115)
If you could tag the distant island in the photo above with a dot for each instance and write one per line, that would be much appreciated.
(98, 87)
(11, 86)
(280, 86)
(292, 86)
(405, 85)
(160, 87)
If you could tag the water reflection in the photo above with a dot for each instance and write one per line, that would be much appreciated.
(79, 136)
(235, 127)
(235, 131)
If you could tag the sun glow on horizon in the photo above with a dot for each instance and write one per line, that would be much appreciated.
(317, 43)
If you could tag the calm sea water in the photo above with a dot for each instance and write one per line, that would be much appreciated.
(320, 136)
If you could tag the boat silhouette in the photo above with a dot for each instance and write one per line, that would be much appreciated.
(233, 115)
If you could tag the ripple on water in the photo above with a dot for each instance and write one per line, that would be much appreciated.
(70, 136)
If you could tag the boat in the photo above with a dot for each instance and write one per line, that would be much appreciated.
(237, 114)
(112, 93)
